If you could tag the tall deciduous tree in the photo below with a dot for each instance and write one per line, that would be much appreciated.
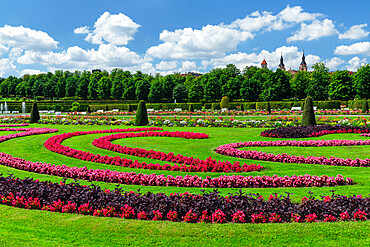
(180, 93)
(362, 82)
(340, 87)
(320, 79)
(142, 89)
(71, 86)
(83, 87)
(117, 88)
(298, 84)
(104, 87)
(212, 89)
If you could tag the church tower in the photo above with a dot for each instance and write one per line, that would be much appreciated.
(264, 64)
(303, 65)
(281, 65)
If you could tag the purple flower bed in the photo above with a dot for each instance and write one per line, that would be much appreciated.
(312, 131)
(206, 207)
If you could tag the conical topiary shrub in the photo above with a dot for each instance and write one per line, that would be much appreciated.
(141, 118)
(365, 106)
(308, 115)
(88, 109)
(268, 107)
(242, 107)
(191, 108)
(225, 103)
(35, 115)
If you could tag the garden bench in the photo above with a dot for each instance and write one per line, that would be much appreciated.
(150, 110)
(100, 111)
(58, 113)
(177, 109)
(6, 112)
(15, 112)
(295, 108)
(115, 110)
(51, 111)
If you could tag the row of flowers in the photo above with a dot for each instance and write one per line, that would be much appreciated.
(312, 131)
(133, 178)
(206, 207)
(25, 132)
(233, 151)
(187, 164)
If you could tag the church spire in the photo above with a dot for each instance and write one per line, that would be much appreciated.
(281, 65)
(303, 65)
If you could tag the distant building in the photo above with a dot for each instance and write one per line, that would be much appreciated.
(281, 65)
(192, 74)
(303, 65)
(264, 64)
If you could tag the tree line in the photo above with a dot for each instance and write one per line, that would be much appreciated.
(251, 84)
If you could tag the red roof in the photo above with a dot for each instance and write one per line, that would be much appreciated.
(264, 61)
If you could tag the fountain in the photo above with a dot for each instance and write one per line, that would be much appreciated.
(23, 107)
(5, 106)
(1, 108)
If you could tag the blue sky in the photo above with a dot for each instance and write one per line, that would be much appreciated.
(167, 36)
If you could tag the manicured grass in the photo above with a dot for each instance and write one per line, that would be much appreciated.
(31, 227)
(20, 227)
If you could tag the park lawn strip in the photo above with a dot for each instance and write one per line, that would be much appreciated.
(21, 227)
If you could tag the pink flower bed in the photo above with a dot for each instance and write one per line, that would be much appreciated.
(25, 132)
(232, 150)
(234, 181)
(187, 164)
(14, 125)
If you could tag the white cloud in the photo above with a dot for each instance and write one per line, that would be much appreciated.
(265, 20)
(106, 57)
(355, 32)
(81, 30)
(7, 67)
(188, 43)
(357, 48)
(31, 72)
(314, 31)
(166, 65)
(3, 49)
(334, 63)
(292, 58)
(355, 63)
(188, 66)
(296, 14)
(26, 38)
(114, 29)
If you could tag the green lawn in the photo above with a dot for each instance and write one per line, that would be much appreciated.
(19, 227)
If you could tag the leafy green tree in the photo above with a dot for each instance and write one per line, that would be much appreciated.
(30, 81)
(362, 82)
(231, 71)
(212, 89)
(298, 84)
(250, 71)
(156, 91)
(250, 89)
(38, 86)
(83, 87)
(168, 84)
(340, 87)
(142, 89)
(61, 87)
(117, 88)
(276, 85)
(232, 87)
(180, 93)
(129, 92)
(104, 88)
(21, 89)
(71, 86)
(225, 103)
(195, 92)
(93, 86)
(49, 89)
(319, 83)
(4, 88)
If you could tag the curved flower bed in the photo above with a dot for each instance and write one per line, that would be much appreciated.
(232, 150)
(234, 181)
(187, 164)
(14, 125)
(312, 131)
(25, 132)
(206, 207)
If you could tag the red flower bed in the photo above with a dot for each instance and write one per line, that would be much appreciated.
(206, 207)
(187, 164)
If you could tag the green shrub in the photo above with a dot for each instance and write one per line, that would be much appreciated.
(308, 115)
(225, 103)
(141, 118)
(88, 109)
(216, 106)
(328, 104)
(191, 108)
(129, 108)
(268, 107)
(75, 106)
(250, 106)
(35, 115)
(365, 106)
